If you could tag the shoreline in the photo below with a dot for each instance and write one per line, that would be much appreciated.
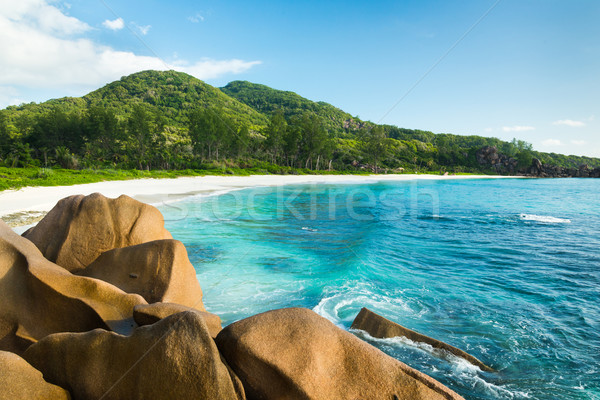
(26, 206)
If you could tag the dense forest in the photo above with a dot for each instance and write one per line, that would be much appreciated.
(172, 121)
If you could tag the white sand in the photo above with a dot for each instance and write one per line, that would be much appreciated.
(155, 191)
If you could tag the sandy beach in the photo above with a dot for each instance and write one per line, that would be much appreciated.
(27, 205)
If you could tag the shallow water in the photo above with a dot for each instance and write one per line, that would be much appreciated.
(507, 270)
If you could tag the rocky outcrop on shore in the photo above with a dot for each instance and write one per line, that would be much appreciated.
(380, 327)
(19, 380)
(74, 302)
(175, 358)
(489, 156)
(295, 353)
(552, 171)
(80, 228)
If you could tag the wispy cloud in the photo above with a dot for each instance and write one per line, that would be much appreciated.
(552, 142)
(517, 128)
(114, 25)
(143, 29)
(47, 51)
(569, 122)
(578, 142)
(196, 18)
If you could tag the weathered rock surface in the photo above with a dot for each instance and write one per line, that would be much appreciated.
(159, 271)
(19, 380)
(148, 314)
(173, 359)
(296, 354)
(380, 327)
(37, 297)
(80, 228)
(552, 171)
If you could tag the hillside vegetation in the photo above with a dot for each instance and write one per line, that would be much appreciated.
(172, 121)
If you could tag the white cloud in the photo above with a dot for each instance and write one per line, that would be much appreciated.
(517, 128)
(44, 17)
(488, 130)
(143, 29)
(196, 18)
(35, 54)
(569, 122)
(115, 25)
(578, 142)
(552, 142)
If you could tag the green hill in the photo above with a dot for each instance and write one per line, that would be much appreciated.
(267, 100)
(171, 120)
(172, 93)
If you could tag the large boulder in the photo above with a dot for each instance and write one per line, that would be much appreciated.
(19, 380)
(148, 314)
(380, 327)
(175, 358)
(37, 297)
(296, 354)
(80, 228)
(159, 271)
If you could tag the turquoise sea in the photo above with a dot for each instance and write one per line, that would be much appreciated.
(507, 270)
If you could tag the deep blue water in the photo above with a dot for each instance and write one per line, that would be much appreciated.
(508, 270)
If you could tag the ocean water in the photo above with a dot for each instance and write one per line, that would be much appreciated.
(507, 270)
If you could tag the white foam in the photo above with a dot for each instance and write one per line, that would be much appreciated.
(545, 219)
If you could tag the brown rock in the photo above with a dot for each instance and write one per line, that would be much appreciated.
(173, 359)
(296, 354)
(37, 297)
(380, 327)
(159, 271)
(148, 314)
(19, 380)
(80, 228)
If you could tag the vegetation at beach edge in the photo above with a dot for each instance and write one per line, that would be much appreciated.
(168, 124)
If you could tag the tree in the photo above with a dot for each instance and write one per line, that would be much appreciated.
(276, 132)
(102, 130)
(374, 144)
(313, 138)
(139, 129)
(5, 140)
(209, 130)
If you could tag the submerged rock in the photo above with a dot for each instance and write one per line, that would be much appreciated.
(159, 271)
(148, 314)
(175, 358)
(296, 354)
(19, 380)
(37, 297)
(80, 228)
(380, 327)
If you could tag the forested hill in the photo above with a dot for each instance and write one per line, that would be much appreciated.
(171, 120)
(267, 100)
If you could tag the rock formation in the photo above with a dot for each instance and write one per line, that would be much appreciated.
(500, 163)
(148, 314)
(380, 327)
(59, 317)
(38, 298)
(80, 228)
(176, 358)
(19, 380)
(296, 354)
(552, 171)
(159, 271)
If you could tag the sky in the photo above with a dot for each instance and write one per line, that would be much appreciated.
(528, 69)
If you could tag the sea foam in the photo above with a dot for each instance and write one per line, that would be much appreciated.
(545, 219)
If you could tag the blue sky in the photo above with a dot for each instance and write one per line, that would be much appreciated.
(529, 69)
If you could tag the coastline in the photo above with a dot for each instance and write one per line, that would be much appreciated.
(26, 206)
